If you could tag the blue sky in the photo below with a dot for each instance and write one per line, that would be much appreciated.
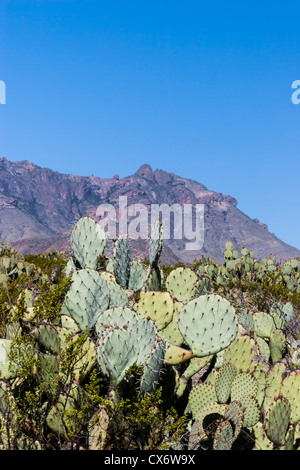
(198, 88)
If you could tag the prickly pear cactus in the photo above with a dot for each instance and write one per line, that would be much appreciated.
(88, 242)
(208, 324)
(88, 293)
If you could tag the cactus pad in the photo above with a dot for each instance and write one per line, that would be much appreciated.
(88, 242)
(208, 324)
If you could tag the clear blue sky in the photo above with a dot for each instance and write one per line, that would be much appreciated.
(198, 88)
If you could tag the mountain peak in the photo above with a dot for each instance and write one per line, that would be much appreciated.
(145, 171)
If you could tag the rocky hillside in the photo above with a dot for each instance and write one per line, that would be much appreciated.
(38, 208)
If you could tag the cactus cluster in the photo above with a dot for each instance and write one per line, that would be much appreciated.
(231, 370)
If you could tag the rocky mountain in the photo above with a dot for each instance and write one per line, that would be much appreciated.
(39, 206)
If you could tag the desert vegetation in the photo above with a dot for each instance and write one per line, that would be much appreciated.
(104, 353)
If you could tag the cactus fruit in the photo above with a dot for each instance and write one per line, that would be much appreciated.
(88, 242)
(208, 324)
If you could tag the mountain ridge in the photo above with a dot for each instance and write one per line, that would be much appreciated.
(39, 206)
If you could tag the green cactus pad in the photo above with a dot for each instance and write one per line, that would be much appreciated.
(209, 413)
(155, 243)
(121, 346)
(180, 283)
(137, 276)
(235, 415)
(153, 368)
(48, 336)
(224, 378)
(263, 347)
(251, 409)
(242, 353)
(171, 332)
(277, 345)
(88, 294)
(117, 354)
(274, 380)
(291, 391)
(263, 324)
(285, 311)
(223, 438)
(201, 287)
(156, 306)
(114, 317)
(208, 324)
(243, 384)
(201, 395)
(277, 420)
(88, 242)
(261, 441)
(246, 320)
(122, 261)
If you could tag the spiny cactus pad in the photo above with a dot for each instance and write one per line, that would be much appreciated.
(155, 242)
(277, 420)
(208, 324)
(243, 384)
(156, 306)
(251, 409)
(242, 352)
(201, 395)
(87, 294)
(291, 391)
(88, 242)
(223, 438)
(122, 261)
(180, 283)
(223, 383)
